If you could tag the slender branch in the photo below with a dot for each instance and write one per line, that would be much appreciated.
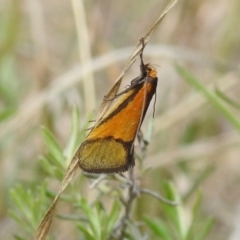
(98, 180)
(127, 203)
(158, 196)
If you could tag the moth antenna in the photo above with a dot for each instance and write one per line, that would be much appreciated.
(141, 56)
(154, 104)
(156, 65)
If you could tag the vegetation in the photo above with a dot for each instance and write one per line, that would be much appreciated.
(193, 151)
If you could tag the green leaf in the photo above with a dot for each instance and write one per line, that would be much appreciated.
(174, 214)
(45, 163)
(51, 168)
(85, 232)
(54, 149)
(211, 96)
(93, 217)
(5, 114)
(29, 206)
(195, 226)
(227, 99)
(205, 230)
(113, 216)
(159, 228)
(19, 238)
(71, 147)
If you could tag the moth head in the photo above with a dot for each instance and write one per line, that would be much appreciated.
(151, 71)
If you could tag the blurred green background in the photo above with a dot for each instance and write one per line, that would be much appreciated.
(43, 47)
